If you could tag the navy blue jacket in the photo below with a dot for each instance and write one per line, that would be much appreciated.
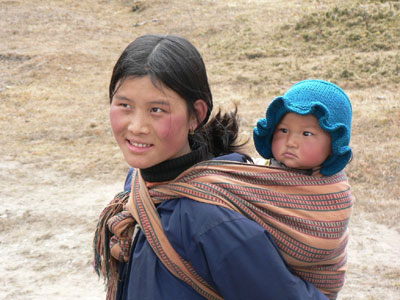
(232, 253)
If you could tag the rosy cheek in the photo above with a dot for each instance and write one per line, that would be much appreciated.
(276, 143)
(115, 119)
(171, 127)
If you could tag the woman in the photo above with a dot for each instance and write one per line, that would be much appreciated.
(160, 108)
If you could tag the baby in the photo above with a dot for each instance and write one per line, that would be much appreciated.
(308, 129)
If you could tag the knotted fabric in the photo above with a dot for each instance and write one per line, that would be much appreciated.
(307, 217)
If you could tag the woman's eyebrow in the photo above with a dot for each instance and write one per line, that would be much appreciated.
(154, 102)
(120, 97)
(159, 102)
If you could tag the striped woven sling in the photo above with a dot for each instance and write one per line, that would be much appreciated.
(307, 216)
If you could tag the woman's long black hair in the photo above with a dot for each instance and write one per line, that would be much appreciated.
(172, 61)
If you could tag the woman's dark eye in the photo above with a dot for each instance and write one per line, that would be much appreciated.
(156, 109)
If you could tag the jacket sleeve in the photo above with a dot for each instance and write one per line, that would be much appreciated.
(245, 263)
(128, 180)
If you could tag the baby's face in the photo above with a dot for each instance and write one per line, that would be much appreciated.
(300, 143)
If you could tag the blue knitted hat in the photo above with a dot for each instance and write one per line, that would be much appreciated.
(322, 99)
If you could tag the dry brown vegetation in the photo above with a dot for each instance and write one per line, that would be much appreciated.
(56, 58)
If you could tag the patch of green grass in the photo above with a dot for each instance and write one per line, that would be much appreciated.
(354, 43)
(359, 40)
(362, 27)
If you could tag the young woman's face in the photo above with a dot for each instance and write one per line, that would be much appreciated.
(299, 142)
(150, 125)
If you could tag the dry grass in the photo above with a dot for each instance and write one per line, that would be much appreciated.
(56, 60)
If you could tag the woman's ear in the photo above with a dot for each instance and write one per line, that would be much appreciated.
(200, 106)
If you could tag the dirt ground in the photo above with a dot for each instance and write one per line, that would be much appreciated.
(59, 164)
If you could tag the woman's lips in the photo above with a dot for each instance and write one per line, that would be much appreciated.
(138, 147)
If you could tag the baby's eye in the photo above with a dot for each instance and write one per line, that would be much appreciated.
(284, 130)
(307, 133)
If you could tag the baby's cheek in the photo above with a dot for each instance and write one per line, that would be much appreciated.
(311, 155)
(276, 145)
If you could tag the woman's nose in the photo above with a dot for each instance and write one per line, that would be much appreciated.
(139, 124)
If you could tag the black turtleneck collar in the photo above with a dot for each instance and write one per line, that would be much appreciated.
(170, 169)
